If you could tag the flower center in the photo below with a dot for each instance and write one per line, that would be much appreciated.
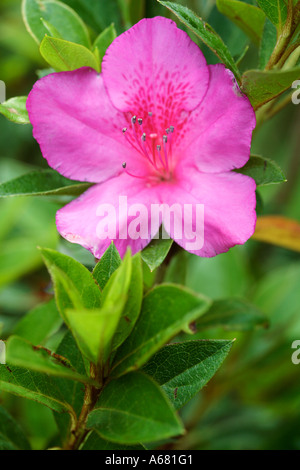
(156, 149)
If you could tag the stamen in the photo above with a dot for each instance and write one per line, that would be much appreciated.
(129, 141)
(160, 156)
(146, 151)
(130, 174)
(158, 148)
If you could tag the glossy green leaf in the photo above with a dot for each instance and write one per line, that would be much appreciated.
(155, 253)
(261, 86)
(11, 434)
(107, 265)
(21, 353)
(132, 308)
(205, 32)
(42, 183)
(73, 283)
(166, 310)
(65, 55)
(63, 18)
(263, 171)
(40, 323)
(71, 391)
(104, 40)
(15, 110)
(33, 386)
(116, 289)
(232, 315)
(276, 11)
(248, 18)
(182, 369)
(268, 43)
(93, 329)
(133, 409)
(95, 442)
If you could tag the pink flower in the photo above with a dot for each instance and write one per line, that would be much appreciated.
(157, 126)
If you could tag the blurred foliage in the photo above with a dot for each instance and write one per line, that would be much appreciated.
(253, 401)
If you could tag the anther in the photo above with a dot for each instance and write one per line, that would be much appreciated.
(144, 137)
(165, 139)
(133, 119)
(150, 114)
(172, 128)
(124, 164)
(158, 147)
(124, 130)
(140, 121)
(168, 131)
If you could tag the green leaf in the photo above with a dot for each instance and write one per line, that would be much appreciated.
(11, 435)
(73, 283)
(15, 110)
(261, 86)
(21, 353)
(166, 310)
(71, 391)
(40, 323)
(33, 386)
(263, 171)
(232, 315)
(268, 43)
(205, 32)
(42, 183)
(155, 253)
(95, 442)
(65, 55)
(65, 21)
(276, 11)
(133, 409)
(108, 263)
(132, 308)
(104, 40)
(248, 18)
(94, 329)
(116, 288)
(183, 369)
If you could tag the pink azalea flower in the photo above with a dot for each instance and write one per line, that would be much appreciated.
(158, 125)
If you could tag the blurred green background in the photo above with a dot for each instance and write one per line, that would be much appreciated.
(253, 401)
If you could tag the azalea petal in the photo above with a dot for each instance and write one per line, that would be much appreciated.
(78, 129)
(155, 67)
(218, 135)
(88, 220)
(229, 210)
